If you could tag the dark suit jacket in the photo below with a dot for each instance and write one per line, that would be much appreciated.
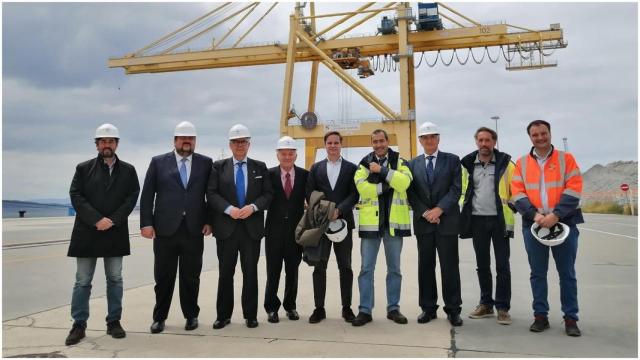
(345, 194)
(164, 199)
(282, 208)
(222, 193)
(443, 193)
(96, 194)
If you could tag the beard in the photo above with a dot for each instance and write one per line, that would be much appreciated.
(185, 150)
(107, 153)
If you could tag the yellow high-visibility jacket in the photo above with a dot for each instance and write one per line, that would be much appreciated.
(398, 177)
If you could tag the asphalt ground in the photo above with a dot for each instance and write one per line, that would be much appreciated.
(38, 278)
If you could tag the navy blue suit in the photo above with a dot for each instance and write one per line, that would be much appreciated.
(177, 215)
(444, 193)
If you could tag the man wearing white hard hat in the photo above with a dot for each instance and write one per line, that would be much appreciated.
(285, 211)
(173, 212)
(239, 192)
(103, 192)
(434, 195)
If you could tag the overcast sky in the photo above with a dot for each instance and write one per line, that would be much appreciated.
(57, 88)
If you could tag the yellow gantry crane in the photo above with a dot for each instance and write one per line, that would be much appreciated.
(398, 40)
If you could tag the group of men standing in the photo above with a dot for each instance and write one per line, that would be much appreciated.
(186, 196)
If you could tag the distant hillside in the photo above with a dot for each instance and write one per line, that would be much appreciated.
(602, 183)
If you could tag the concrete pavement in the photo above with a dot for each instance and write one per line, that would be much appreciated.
(607, 286)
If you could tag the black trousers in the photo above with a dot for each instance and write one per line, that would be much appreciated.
(447, 249)
(342, 250)
(486, 229)
(281, 250)
(179, 251)
(228, 249)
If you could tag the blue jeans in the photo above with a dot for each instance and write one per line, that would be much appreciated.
(82, 289)
(369, 252)
(565, 259)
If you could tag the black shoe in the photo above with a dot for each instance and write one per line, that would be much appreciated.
(397, 317)
(272, 317)
(425, 317)
(75, 335)
(293, 315)
(540, 324)
(571, 327)
(191, 324)
(361, 319)
(455, 319)
(219, 324)
(157, 327)
(318, 315)
(252, 323)
(115, 330)
(348, 315)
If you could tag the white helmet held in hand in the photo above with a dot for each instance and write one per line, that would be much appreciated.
(286, 142)
(552, 236)
(428, 128)
(337, 230)
(239, 131)
(185, 128)
(107, 131)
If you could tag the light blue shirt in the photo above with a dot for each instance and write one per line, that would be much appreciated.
(433, 161)
(186, 163)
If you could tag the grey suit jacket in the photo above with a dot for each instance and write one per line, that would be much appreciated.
(443, 193)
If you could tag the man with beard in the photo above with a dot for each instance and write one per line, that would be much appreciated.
(239, 191)
(486, 217)
(173, 212)
(382, 180)
(103, 192)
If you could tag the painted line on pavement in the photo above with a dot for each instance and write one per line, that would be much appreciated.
(608, 233)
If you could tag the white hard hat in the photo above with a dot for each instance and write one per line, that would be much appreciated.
(337, 230)
(428, 128)
(239, 131)
(185, 128)
(107, 131)
(552, 236)
(286, 142)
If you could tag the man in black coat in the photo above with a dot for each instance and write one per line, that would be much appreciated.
(103, 192)
(285, 211)
(334, 177)
(173, 212)
(434, 195)
(239, 192)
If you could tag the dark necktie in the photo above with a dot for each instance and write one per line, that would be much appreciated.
(430, 174)
(240, 184)
(287, 185)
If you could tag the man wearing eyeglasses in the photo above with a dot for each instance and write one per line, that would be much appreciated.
(239, 192)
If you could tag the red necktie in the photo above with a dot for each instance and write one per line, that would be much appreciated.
(287, 185)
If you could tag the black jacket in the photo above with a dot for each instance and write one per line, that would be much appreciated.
(502, 162)
(345, 195)
(96, 194)
(221, 193)
(284, 214)
(164, 199)
(444, 193)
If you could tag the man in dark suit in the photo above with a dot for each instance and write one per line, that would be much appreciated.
(103, 192)
(239, 192)
(285, 211)
(173, 212)
(434, 195)
(334, 177)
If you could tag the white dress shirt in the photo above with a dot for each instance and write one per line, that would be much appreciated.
(433, 161)
(333, 171)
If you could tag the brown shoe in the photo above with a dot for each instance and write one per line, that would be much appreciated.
(503, 317)
(481, 311)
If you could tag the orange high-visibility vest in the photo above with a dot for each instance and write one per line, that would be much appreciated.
(561, 176)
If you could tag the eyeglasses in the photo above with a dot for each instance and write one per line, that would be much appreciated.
(240, 142)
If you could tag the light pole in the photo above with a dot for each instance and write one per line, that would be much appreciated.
(495, 118)
(566, 144)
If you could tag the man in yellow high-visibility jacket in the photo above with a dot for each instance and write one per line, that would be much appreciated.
(382, 180)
